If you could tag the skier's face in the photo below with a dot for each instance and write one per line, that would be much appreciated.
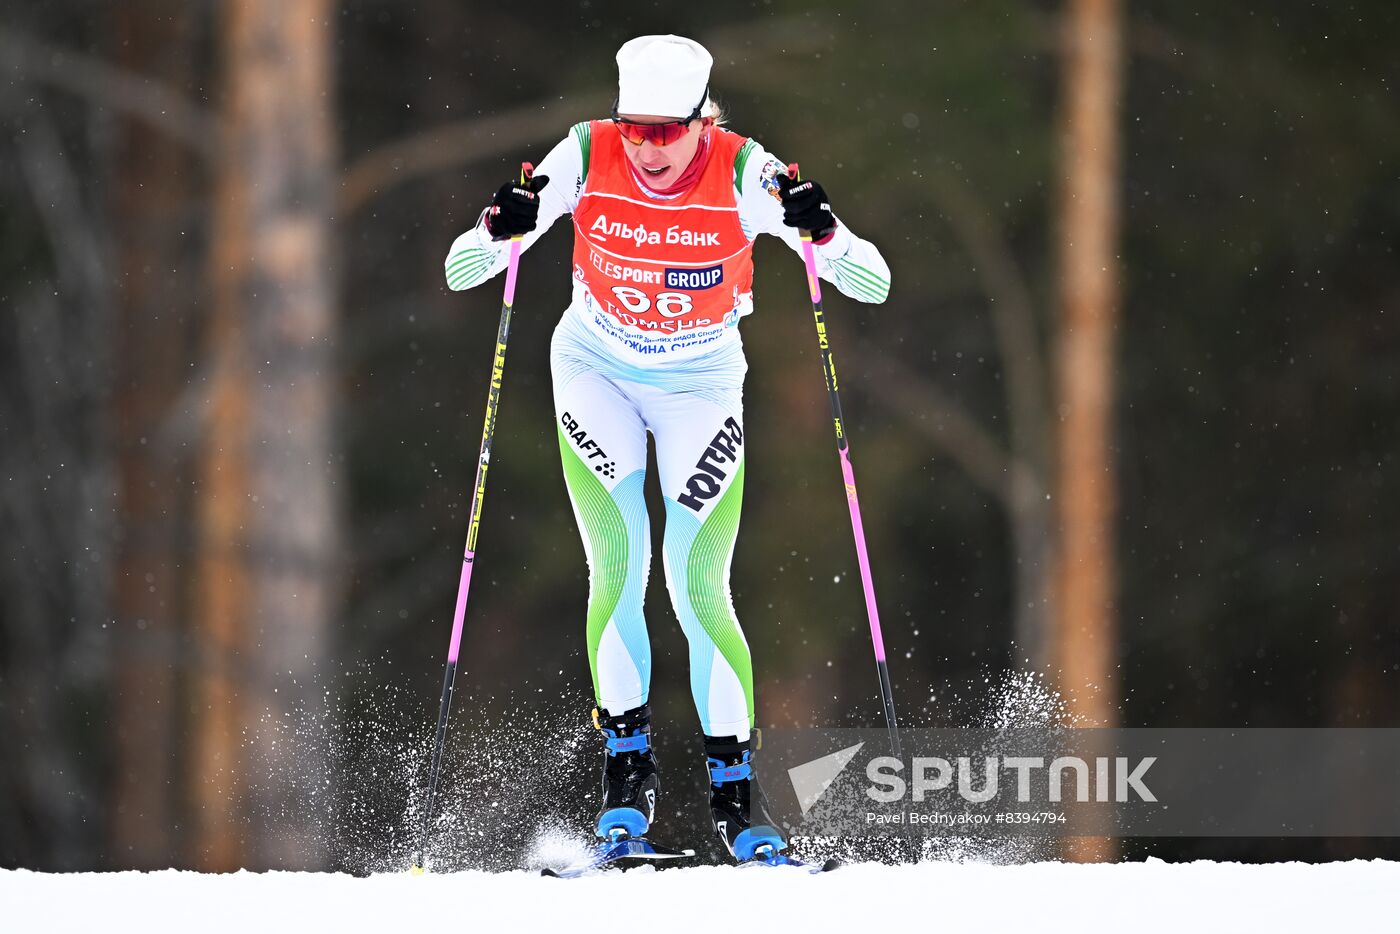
(661, 166)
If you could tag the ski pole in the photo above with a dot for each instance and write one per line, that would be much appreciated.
(844, 449)
(493, 399)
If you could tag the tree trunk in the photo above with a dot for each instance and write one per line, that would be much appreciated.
(153, 191)
(1086, 637)
(269, 517)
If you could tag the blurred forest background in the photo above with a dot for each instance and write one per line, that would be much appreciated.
(1128, 419)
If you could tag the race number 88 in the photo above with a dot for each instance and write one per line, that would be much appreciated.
(670, 304)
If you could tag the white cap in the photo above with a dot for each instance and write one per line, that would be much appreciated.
(664, 76)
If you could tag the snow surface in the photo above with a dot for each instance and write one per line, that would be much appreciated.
(1150, 896)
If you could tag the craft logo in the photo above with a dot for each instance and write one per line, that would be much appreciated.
(694, 279)
(705, 484)
(588, 449)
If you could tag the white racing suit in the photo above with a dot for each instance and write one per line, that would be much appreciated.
(617, 377)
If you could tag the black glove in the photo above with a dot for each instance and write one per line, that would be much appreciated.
(515, 208)
(805, 206)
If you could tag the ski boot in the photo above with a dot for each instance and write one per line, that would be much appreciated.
(630, 781)
(738, 813)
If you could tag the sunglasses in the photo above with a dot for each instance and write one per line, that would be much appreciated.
(658, 134)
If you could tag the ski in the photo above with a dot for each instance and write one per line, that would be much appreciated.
(612, 852)
(771, 858)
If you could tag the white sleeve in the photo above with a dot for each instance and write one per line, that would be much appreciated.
(475, 257)
(851, 264)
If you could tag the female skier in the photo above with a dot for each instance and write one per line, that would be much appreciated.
(666, 205)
